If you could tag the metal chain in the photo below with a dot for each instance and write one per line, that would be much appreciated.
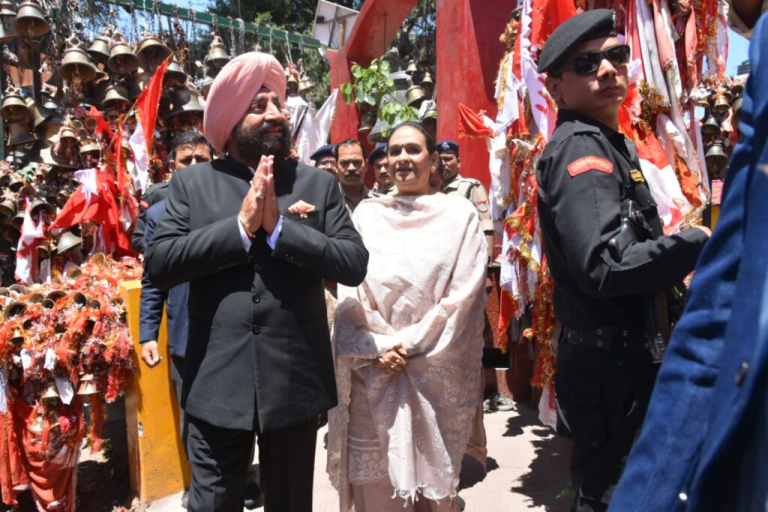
(150, 17)
(134, 27)
(241, 28)
(232, 45)
(288, 49)
(256, 44)
(271, 46)
(156, 9)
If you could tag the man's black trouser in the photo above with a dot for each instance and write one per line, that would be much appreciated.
(219, 458)
(602, 396)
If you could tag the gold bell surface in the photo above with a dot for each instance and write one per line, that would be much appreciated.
(122, 60)
(14, 108)
(77, 64)
(152, 52)
(19, 134)
(49, 392)
(415, 96)
(87, 385)
(30, 21)
(116, 98)
(217, 53)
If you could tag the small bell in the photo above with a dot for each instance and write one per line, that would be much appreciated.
(218, 56)
(7, 209)
(39, 112)
(40, 204)
(415, 96)
(18, 135)
(49, 392)
(99, 49)
(722, 103)
(305, 85)
(47, 97)
(116, 98)
(74, 273)
(411, 69)
(152, 52)
(30, 21)
(68, 135)
(205, 85)
(736, 119)
(76, 64)
(291, 83)
(122, 60)
(427, 84)
(7, 15)
(710, 128)
(174, 75)
(737, 89)
(14, 108)
(87, 385)
(68, 240)
(98, 259)
(716, 158)
(14, 309)
(185, 101)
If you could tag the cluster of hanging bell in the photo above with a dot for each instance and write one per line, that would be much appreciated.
(717, 107)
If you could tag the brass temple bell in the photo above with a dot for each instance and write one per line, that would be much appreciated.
(14, 107)
(217, 53)
(30, 21)
(7, 15)
(152, 52)
(76, 64)
(122, 60)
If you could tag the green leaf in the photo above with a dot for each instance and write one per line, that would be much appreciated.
(359, 95)
(370, 100)
(346, 92)
(357, 71)
(390, 82)
(385, 67)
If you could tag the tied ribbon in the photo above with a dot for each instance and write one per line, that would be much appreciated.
(471, 124)
(148, 103)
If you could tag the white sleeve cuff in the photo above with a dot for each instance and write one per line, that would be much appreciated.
(273, 238)
(244, 236)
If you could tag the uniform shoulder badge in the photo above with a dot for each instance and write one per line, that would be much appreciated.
(637, 176)
(590, 163)
(482, 206)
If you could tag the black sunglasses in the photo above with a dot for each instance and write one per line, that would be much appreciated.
(589, 62)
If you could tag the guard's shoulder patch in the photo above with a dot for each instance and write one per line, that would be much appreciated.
(590, 163)
(482, 206)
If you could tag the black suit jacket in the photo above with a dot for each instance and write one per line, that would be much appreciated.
(259, 352)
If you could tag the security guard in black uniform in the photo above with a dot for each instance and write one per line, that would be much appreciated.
(607, 254)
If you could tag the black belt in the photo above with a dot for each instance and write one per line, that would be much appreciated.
(630, 339)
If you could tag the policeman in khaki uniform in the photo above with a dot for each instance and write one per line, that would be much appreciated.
(607, 253)
(456, 185)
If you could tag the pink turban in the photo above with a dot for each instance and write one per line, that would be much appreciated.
(233, 90)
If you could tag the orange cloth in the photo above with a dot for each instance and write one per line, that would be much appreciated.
(233, 90)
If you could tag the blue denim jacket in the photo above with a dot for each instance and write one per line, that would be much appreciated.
(711, 391)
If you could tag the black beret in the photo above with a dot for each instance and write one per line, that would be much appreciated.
(380, 151)
(326, 150)
(447, 146)
(594, 24)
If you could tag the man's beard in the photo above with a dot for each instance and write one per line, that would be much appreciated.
(253, 143)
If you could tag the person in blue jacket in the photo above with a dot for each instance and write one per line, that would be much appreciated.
(704, 443)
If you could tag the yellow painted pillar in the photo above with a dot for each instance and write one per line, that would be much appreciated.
(157, 462)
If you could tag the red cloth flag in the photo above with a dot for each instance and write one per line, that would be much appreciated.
(547, 15)
(147, 105)
(100, 207)
(471, 124)
(101, 123)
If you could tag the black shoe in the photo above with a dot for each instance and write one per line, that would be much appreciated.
(489, 405)
(254, 498)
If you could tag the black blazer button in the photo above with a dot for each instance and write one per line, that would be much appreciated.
(256, 299)
(741, 373)
(256, 329)
(256, 267)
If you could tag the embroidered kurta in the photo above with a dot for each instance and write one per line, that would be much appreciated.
(425, 290)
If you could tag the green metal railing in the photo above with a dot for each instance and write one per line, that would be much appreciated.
(221, 22)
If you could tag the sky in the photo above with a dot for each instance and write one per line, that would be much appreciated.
(737, 52)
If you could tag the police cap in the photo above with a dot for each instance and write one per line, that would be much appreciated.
(594, 24)
(380, 151)
(448, 146)
(326, 150)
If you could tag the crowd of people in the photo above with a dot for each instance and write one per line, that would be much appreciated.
(297, 295)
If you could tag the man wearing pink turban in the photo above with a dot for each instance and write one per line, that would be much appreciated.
(255, 234)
